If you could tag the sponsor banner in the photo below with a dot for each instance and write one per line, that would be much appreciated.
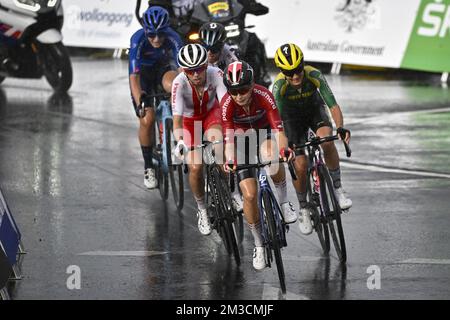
(99, 23)
(365, 32)
(429, 45)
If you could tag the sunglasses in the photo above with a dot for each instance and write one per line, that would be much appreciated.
(241, 91)
(215, 48)
(154, 35)
(291, 73)
(196, 70)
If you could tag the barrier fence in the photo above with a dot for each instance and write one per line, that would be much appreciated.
(10, 248)
(411, 34)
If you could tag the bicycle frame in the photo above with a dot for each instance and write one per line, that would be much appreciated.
(162, 113)
(264, 187)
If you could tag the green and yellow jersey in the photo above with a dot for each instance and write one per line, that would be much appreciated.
(295, 103)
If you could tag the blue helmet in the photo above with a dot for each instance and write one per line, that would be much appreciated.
(156, 19)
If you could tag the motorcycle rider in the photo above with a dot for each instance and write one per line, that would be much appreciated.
(182, 7)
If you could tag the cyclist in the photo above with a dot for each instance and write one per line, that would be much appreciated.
(302, 95)
(196, 111)
(251, 106)
(152, 64)
(212, 37)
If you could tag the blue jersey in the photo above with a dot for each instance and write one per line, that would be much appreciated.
(142, 53)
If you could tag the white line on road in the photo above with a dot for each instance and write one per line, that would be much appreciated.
(425, 261)
(123, 253)
(272, 293)
(382, 117)
(375, 168)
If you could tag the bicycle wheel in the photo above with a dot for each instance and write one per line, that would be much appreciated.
(227, 215)
(175, 171)
(332, 213)
(319, 224)
(274, 238)
(163, 178)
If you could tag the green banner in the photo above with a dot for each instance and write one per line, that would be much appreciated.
(429, 45)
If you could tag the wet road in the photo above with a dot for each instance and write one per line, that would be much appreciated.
(71, 170)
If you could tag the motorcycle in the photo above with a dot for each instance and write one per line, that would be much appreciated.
(31, 47)
(246, 45)
(187, 20)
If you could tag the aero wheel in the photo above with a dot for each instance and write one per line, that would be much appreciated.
(175, 171)
(274, 239)
(333, 213)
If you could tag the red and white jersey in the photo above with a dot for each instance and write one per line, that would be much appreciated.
(263, 113)
(186, 102)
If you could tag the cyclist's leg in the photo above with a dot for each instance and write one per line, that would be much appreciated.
(323, 128)
(194, 161)
(167, 79)
(212, 125)
(249, 189)
(145, 132)
(269, 151)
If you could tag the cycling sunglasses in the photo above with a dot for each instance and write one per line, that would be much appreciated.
(154, 34)
(242, 91)
(291, 73)
(197, 70)
(215, 48)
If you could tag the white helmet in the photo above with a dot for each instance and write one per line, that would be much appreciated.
(192, 56)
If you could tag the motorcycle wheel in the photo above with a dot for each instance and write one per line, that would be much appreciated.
(1, 79)
(57, 67)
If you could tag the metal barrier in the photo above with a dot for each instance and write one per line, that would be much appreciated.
(11, 248)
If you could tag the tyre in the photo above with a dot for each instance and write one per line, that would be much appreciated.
(2, 79)
(274, 238)
(319, 223)
(163, 178)
(57, 67)
(227, 215)
(333, 213)
(175, 172)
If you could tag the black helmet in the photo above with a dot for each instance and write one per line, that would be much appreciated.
(213, 36)
(237, 75)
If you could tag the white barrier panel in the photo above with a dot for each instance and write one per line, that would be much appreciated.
(362, 32)
(99, 23)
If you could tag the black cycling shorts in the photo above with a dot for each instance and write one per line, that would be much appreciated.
(297, 129)
(151, 80)
(248, 154)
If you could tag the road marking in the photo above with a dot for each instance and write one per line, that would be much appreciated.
(377, 168)
(123, 253)
(425, 261)
(304, 258)
(272, 293)
(382, 117)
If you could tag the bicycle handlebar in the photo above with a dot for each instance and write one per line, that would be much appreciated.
(318, 141)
